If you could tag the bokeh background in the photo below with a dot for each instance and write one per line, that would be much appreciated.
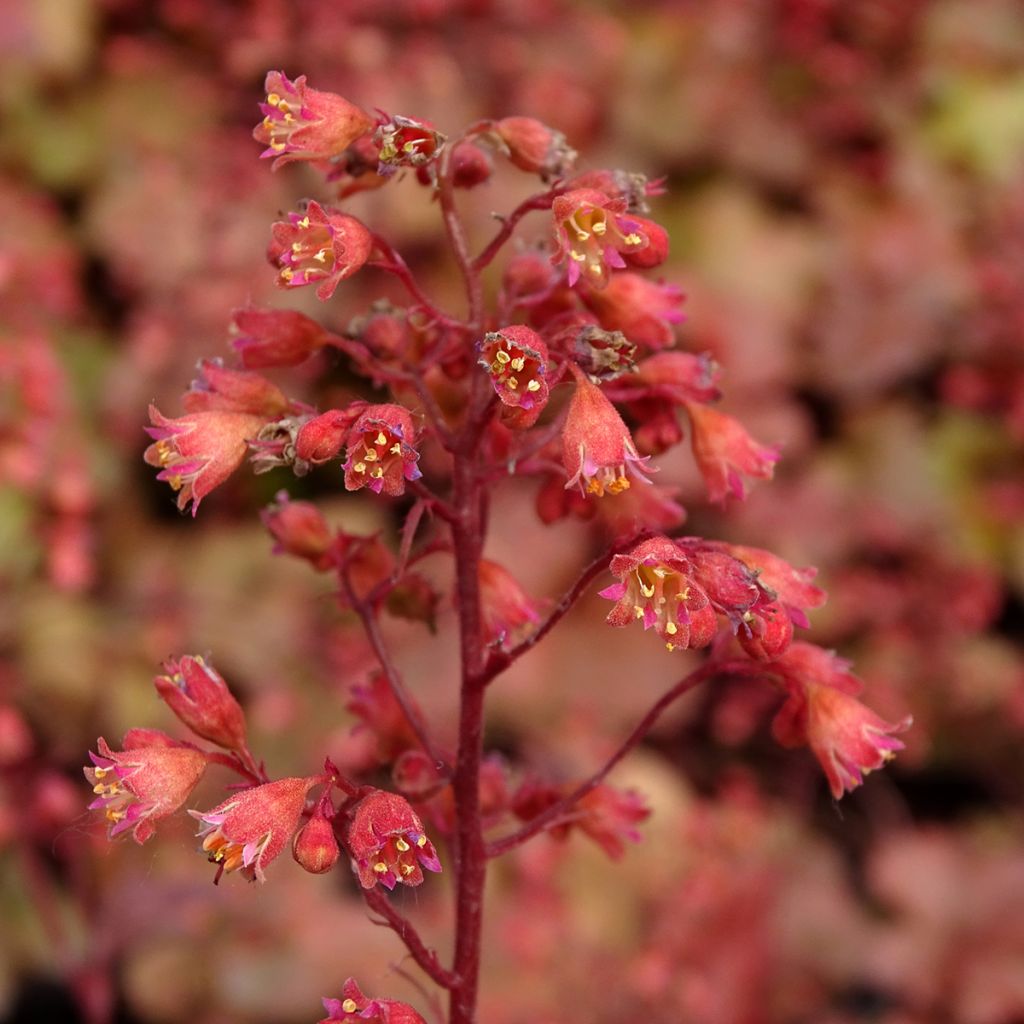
(846, 202)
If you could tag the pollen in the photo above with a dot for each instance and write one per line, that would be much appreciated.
(408, 869)
(273, 99)
(422, 841)
(349, 1006)
(359, 467)
(277, 146)
(599, 228)
(633, 238)
(671, 628)
(381, 438)
(534, 385)
(518, 363)
(512, 383)
(304, 223)
(380, 867)
(395, 449)
(577, 256)
(502, 356)
(401, 845)
(371, 455)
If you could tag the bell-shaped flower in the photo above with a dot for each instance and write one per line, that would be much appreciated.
(275, 337)
(645, 311)
(218, 388)
(148, 780)
(534, 147)
(315, 847)
(387, 842)
(406, 142)
(198, 695)
(356, 1008)
(516, 359)
(300, 123)
(726, 453)
(380, 452)
(318, 246)
(299, 529)
(248, 830)
(505, 607)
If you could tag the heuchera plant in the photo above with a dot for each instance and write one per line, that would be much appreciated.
(572, 381)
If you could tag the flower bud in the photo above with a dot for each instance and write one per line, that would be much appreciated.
(315, 848)
(299, 529)
(275, 337)
(534, 147)
(504, 606)
(201, 699)
(322, 438)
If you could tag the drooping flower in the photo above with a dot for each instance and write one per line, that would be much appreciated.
(516, 359)
(504, 606)
(148, 780)
(822, 711)
(219, 389)
(534, 147)
(387, 842)
(318, 246)
(602, 355)
(592, 234)
(321, 438)
(645, 311)
(315, 847)
(248, 830)
(199, 451)
(299, 529)
(300, 123)
(725, 452)
(380, 453)
(597, 448)
(200, 698)
(657, 586)
(356, 1008)
(406, 142)
(792, 587)
(275, 337)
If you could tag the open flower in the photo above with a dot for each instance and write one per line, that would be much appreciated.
(592, 232)
(199, 451)
(248, 830)
(380, 453)
(150, 779)
(275, 337)
(356, 1008)
(406, 142)
(597, 448)
(200, 698)
(387, 842)
(645, 311)
(725, 452)
(516, 359)
(300, 123)
(822, 711)
(318, 246)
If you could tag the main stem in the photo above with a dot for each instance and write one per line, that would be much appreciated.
(470, 851)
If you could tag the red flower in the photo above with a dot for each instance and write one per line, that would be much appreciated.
(300, 123)
(355, 1008)
(597, 448)
(610, 816)
(406, 142)
(318, 246)
(220, 389)
(504, 605)
(321, 438)
(199, 451)
(380, 453)
(792, 587)
(299, 528)
(149, 780)
(387, 842)
(374, 704)
(725, 453)
(643, 310)
(275, 337)
(201, 699)
(534, 147)
(248, 830)
(315, 847)
(821, 710)
(593, 233)
(517, 360)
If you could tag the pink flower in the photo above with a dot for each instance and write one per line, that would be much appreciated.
(516, 359)
(219, 389)
(821, 710)
(380, 453)
(610, 816)
(318, 246)
(321, 438)
(199, 451)
(300, 123)
(299, 529)
(597, 448)
(149, 780)
(504, 605)
(406, 142)
(534, 147)
(355, 1008)
(374, 704)
(645, 311)
(725, 453)
(593, 233)
(387, 842)
(315, 848)
(275, 337)
(201, 699)
(792, 587)
(248, 830)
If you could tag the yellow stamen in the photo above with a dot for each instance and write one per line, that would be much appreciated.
(671, 628)
(277, 146)
(595, 268)
(377, 473)
(381, 438)
(518, 363)
(577, 256)
(359, 467)
(304, 223)
(512, 383)
(408, 869)
(633, 238)
(599, 228)
(422, 841)
(101, 773)
(502, 356)
(396, 449)
(401, 845)
(371, 455)
(639, 611)
(349, 1006)
(534, 385)
(321, 256)
(380, 867)
(273, 99)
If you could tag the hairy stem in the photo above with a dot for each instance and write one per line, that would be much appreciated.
(403, 928)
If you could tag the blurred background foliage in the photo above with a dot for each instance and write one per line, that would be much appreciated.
(846, 203)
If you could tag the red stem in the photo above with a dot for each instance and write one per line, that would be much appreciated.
(542, 201)
(403, 928)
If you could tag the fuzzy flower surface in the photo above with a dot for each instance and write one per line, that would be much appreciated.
(380, 452)
(300, 123)
(148, 780)
(198, 695)
(516, 359)
(726, 454)
(248, 830)
(387, 842)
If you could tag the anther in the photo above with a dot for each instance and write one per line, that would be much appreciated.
(401, 845)
(381, 438)
(349, 1006)
(380, 867)
(534, 385)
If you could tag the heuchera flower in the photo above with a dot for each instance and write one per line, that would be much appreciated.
(387, 842)
(300, 123)
(380, 453)
(321, 438)
(609, 816)
(275, 337)
(643, 310)
(218, 389)
(592, 233)
(504, 606)
(821, 710)
(315, 847)
(597, 448)
(373, 703)
(318, 246)
(300, 529)
(200, 698)
(150, 779)
(197, 452)
(406, 142)
(601, 354)
(516, 359)
(792, 587)
(725, 452)
(355, 1008)
(534, 147)
(248, 830)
